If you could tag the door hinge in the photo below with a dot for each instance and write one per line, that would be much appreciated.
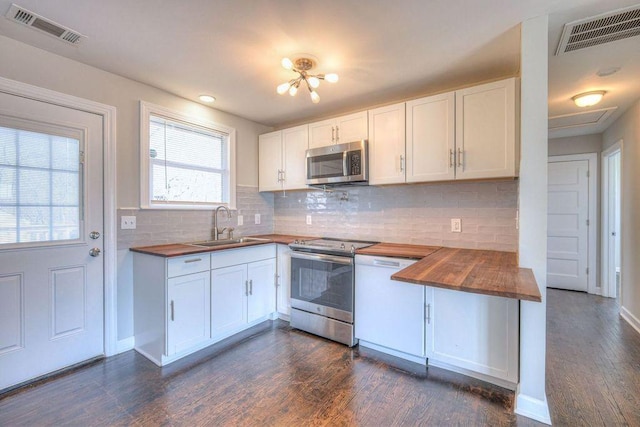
(82, 157)
(587, 223)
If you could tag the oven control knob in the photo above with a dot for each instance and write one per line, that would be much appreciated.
(295, 242)
(342, 246)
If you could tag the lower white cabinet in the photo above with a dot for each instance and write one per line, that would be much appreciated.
(284, 281)
(389, 314)
(474, 334)
(189, 311)
(243, 293)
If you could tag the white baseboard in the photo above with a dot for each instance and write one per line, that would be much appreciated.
(630, 319)
(531, 407)
(125, 345)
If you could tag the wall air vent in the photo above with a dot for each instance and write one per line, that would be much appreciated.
(26, 17)
(608, 27)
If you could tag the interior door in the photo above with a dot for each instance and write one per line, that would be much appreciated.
(568, 215)
(51, 223)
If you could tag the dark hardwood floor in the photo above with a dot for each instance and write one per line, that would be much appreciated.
(272, 375)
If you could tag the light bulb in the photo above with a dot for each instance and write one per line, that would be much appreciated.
(314, 82)
(293, 90)
(207, 98)
(286, 63)
(589, 98)
(331, 77)
(315, 98)
(282, 88)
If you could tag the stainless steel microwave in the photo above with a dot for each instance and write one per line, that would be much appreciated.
(338, 164)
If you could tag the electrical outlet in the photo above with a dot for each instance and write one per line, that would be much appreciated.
(257, 219)
(456, 226)
(128, 223)
(308, 219)
(240, 220)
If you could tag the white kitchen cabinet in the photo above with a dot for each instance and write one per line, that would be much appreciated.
(486, 140)
(431, 138)
(243, 288)
(387, 145)
(284, 281)
(339, 130)
(281, 158)
(473, 334)
(171, 306)
(389, 315)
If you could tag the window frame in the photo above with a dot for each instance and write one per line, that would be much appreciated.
(146, 111)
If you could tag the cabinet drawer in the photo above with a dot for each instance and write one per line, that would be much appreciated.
(188, 264)
(242, 255)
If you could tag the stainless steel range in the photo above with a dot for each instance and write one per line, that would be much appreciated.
(322, 287)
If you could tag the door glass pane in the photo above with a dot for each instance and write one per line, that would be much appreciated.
(40, 184)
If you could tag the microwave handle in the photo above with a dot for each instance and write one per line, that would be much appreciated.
(345, 164)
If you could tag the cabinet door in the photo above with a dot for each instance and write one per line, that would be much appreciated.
(322, 133)
(387, 145)
(352, 127)
(295, 142)
(229, 289)
(262, 289)
(284, 280)
(474, 332)
(188, 312)
(485, 131)
(389, 313)
(431, 138)
(270, 161)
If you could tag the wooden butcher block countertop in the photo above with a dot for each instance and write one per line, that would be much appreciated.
(180, 249)
(468, 270)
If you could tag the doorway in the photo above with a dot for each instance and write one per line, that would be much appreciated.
(572, 219)
(611, 224)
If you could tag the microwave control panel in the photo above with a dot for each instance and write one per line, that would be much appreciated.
(355, 162)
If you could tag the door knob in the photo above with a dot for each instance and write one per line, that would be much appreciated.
(94, 235)
(94, 252)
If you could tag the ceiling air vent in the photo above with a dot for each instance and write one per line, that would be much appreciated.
(608, 27)
(26, 17)
(587, 118)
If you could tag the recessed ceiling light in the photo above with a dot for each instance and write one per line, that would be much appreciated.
(588, 99)
(207, 98)
(604, 72)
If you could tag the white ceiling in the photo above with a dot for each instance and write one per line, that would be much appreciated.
(384, 51)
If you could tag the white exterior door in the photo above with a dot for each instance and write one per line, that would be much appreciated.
(51, 226)
(568, 230)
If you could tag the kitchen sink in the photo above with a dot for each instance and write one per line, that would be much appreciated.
(212, 243)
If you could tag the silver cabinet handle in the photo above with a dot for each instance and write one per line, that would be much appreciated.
(172, 311)
(246, 288)
(250, 287)
(460, 152)
(333, 134)
(188, 261)
(94, 252)
(428, 313)
(401, 162)
(337, 134)
(284, 175)
(386, 263)
(451, 158)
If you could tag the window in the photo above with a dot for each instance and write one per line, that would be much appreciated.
(40, 187)
(186, 162)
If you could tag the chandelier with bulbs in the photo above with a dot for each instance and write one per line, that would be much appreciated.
(312, 81)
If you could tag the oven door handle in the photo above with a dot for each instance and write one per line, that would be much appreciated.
(323, 258)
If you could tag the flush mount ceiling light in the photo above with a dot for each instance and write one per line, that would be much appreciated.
(588, 99)
(207, 98)
(312, 81)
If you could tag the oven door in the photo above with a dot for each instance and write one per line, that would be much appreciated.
(323, 284)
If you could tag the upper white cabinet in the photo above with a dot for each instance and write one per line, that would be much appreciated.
(387, 145)
(349, 128)
(431, 138)
(281, 157)
(486, 141)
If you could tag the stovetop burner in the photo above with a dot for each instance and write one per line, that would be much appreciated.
(330, 246)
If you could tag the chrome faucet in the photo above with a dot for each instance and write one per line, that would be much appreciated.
(216, 232)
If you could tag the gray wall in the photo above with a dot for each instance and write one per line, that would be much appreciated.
(575, 145)
(627, 129)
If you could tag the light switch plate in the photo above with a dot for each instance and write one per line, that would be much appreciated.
(128, 223)
(308, 219)
(257, 219)
(456, 226)
(240, 219)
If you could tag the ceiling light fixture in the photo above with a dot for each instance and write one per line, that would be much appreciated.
(207, 98)
(312, 81)
(588, 99)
